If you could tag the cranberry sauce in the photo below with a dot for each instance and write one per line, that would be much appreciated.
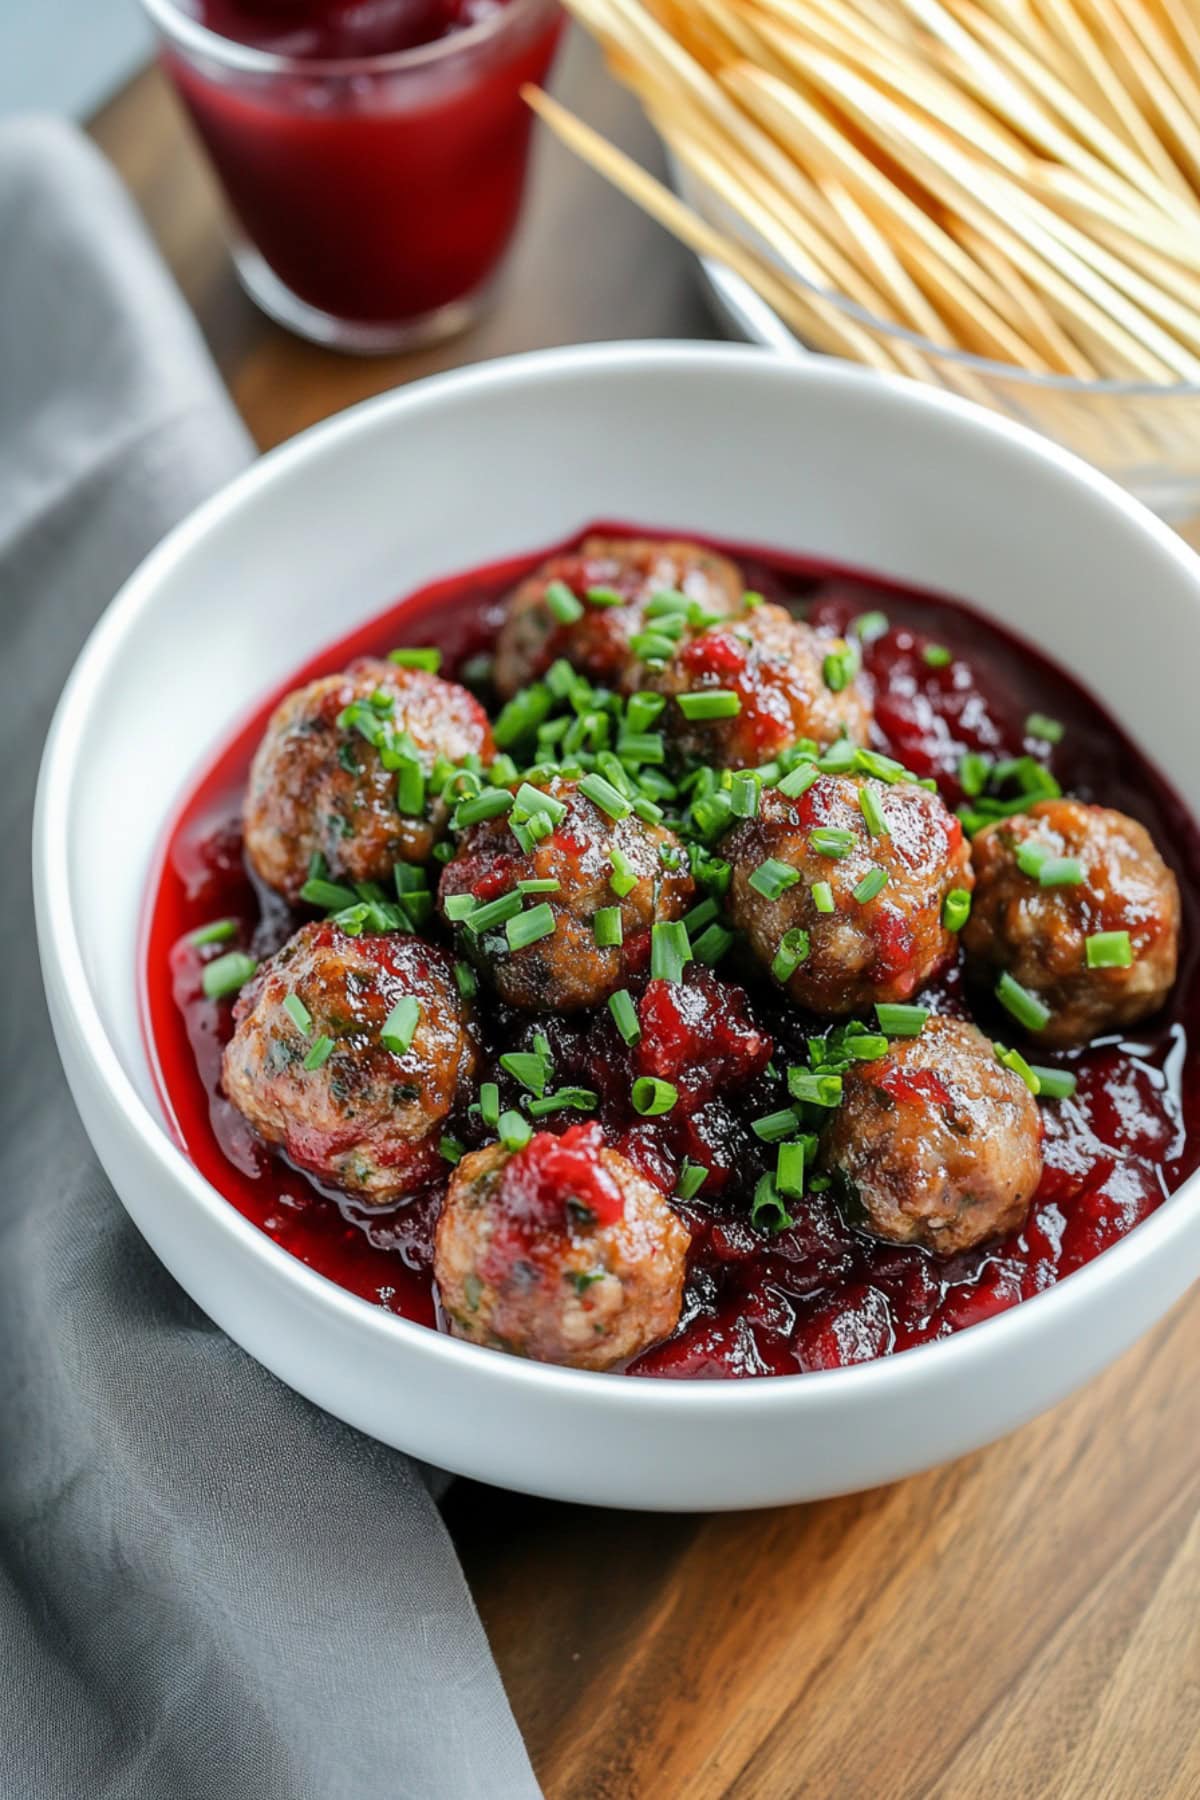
(817, 1294)
(340, 29)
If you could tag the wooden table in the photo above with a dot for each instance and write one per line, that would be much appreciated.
(1024, 1623)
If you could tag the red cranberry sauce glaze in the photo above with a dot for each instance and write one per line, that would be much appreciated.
(817, 1294)
(335, 29)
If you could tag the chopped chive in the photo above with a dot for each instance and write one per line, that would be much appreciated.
(973, 773)
(466, 980)
(531, 800)
(793, 950)
(428, 659)
(872, 884)
(956, 909)
(488, 805)
(840, 758)
(653, 647)
(1015, 1063)
(1055, 1084)
(712, 703)
(624, 1013)
(514, 1130)
(522, 715)
(767, 1211)
(603, 794)
(751, 601)
(607, 928)
(604, 596)
(669, 951)
(936, 656)
(642, 709)
(530, 1069)
(712, 945)
(489, 1104)
(814, 1089)
(839, 669)
(789, 1169)
(772, 878)
(624, 877)
(868, 626)
(652, 1097)
(400, 1025)
(869, 1046)
(226, 974)
(773, 1127)
(832, 840)
(319, 1055)
(744, 795)
(1105, 950)
(548, 884)
(219, 932)
(1025, 1007)
(799, 780)
(580, 1099)
(641, 747)
(692, 1177)
(700, 916)
(298, 1013)
(459, 907)
(329, 895)
(523, 929)
(822, 897)
(410, 788)
(1050, 731)
(1030, 858)
(666, 602)
(872, 811)
(1061, 871)
(898, 1020)
(562, 603)
(496, 912)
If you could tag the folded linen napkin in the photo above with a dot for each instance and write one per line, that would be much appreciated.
(209, 1590)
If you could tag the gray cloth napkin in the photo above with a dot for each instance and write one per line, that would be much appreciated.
(208, 1589)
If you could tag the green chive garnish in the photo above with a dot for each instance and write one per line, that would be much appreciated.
(527, 1067)
(936, 656)
(1105, 950)
(871, 885)
(956, 909)
(496, 912)
(767, 1211)
(1013, 1061)
(799, 781)
(562, 603)
(489, 1104)
(298, 1013)
(822, 897)
(466, 980)
(530, 801)
(604, 596)
(839, 669)
(514, 1130)
(872, 811)
(328, 895)
(832, 840)
(226, 974)
(400, 1026)
(1055, 1084)
(1050, 731)
(653, 647)
(652, 1097)
(712, 945)
(459, 907)
(219, 932)
(793, 950)
(814, 1089)
(488, 805)
(772, 1127)
(578, 1098)
(410, 788)
(429, 660)
(624, 1013)
(607, 928)
(669, 951)
(772, 878)
(973, 773)
(692, 1177)
(1061, 871)
(744, 794)
(451, 1149)
(901, 1021)
(603, 794)
(868, 626)
(624, 877)
(319, 1055)
(1025, 1007)
(789, 1169)
(712, 703)
(523, 929)
(642, 709)
(704, 914)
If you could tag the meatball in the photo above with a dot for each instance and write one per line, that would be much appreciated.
(590, 857)
(598, 642)
(790, 681)
(812, 867)
(317, 1061)
(318, 786)
(937, 1143)
(561, 1252)
(1039, 933)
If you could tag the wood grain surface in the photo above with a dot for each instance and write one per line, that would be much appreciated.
(1023, 1623)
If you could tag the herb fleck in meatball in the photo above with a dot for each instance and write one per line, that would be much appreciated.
(846, 909)
(613, 880)
(937, 1143)
(790, 683)
(561, 1252)
(318, 1062)
(1049, 880)
(597, 641)
(319, 786)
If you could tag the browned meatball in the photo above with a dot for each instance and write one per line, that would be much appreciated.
(318, 1077)
(567, 968)
(561, 1252)
(598, 642)
(879, 942)
(790, 681)
(320, 786)
(1039, 933)
(937, 1143)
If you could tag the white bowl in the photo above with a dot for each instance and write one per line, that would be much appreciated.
(465, 469)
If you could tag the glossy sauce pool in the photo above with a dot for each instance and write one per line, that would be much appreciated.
(818, 1294)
